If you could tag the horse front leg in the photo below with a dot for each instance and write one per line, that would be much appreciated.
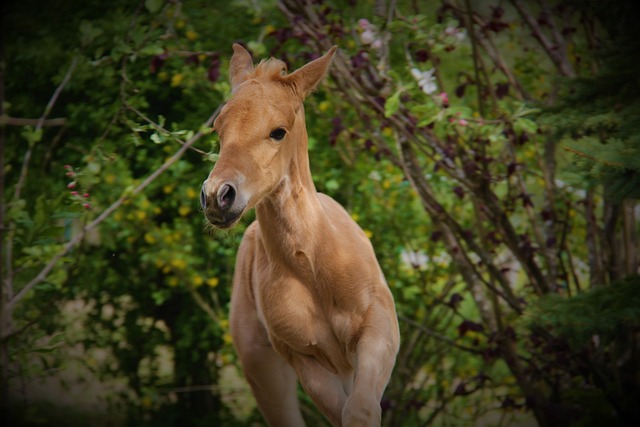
(326, 389)
(375, 355)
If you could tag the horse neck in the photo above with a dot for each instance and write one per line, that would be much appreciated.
(290, 215)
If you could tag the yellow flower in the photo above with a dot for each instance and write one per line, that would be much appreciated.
(197, 280)
(178, 263)
(386, 184)
(172, 281)
(146, 402)
(167, 189)
(176, 80)
(191, 35)
(213, 282)
(509, 380)
(355, 216)
(184, 210)
(368, 233)
(191, 193)
(148, 237)
(227, 339)
(224, 323)
(387, 131)
(141, 215)
(163, 76)
(324, 106)
(269, 29)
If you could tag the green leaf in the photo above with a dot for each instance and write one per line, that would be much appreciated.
(332, 184)
(88, 33)
(153, 6)
(152, 50)
(259, 49)
(525, 125)
(392, 104)
(212, 157)
(31, 135)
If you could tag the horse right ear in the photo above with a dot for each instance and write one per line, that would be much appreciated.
(305, 79)
(241, 66)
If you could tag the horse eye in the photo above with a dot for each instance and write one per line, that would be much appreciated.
(278, 134)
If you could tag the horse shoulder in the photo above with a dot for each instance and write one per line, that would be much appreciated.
(345, 246)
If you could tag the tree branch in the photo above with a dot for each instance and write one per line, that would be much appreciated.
(18, 121)
(40, 123)
(554, 51)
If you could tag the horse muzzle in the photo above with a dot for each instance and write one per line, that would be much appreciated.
(224, 206)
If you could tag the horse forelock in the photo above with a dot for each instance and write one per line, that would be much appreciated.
(270, 69)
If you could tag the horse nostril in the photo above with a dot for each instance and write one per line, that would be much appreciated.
(203, 198)
(226, 196)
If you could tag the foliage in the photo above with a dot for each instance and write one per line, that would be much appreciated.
(437, 130)
(607, 313)
(149, 271)
(599, 113)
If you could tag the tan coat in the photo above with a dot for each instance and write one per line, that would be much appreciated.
(309, 298)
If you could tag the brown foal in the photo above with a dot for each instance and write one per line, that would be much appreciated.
(309, 299)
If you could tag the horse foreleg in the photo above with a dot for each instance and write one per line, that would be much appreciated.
(326, 389)
(274, 386)
(273, 382)
(375, 354)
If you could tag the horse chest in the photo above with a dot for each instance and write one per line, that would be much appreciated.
(288, 311)
(295, 323)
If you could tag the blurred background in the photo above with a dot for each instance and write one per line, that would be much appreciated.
(489, 149)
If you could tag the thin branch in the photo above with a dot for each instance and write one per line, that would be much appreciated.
(19, 121)
(204, 305)
(157, 127)
(437, 335)
(552, 50)
(24, 170)
(475, 55)
(40, 124)
(593, 158)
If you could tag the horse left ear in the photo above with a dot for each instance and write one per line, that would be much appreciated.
(305, 79)
(241, 66)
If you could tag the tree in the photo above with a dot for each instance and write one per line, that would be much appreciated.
(485, 174)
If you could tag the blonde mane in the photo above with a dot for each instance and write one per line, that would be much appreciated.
(269, 69)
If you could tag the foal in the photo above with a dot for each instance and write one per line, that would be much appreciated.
(309, 298)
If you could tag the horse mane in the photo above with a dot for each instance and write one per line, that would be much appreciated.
(269, 69)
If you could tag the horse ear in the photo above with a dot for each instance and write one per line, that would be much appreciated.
(241, 66)
(305, 79)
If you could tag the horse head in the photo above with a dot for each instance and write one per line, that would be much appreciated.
(262, 133)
